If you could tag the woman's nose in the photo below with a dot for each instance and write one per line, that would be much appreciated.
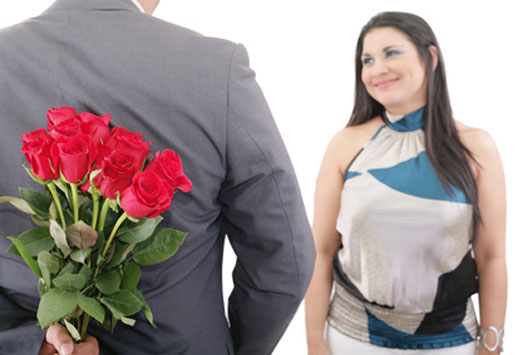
(379, 67)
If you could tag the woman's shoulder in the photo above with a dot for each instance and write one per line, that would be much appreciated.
(359, 134)
(349, 141)
(477, 140)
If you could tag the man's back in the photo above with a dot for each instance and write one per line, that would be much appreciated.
(195, 95)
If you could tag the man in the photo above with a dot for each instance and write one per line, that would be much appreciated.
(196, 95)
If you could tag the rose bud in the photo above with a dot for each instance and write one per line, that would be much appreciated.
(96, 127)
(168, 166)
(130, 143)
(63, 121)
(148, 196)
(36, 147)
(74, 156)
(117, 172)
(102, 151)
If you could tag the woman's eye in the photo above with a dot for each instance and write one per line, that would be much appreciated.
(367, 60)
(391, 53)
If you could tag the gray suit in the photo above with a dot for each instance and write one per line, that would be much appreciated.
(196, 95)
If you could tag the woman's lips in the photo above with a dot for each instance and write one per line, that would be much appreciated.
(385, 84)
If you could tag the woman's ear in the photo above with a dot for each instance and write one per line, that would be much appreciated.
(434, 53)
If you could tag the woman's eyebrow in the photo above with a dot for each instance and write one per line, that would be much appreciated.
(391, 46)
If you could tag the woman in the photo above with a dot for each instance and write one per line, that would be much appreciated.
(409, 215)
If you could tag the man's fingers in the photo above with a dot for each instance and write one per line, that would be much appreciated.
(58, 341)
(88, 347)
(47, 349)
(58, 336)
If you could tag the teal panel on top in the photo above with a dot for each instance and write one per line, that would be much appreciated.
(382, 334)
(411, 122)
(351, 174)
(417, 177)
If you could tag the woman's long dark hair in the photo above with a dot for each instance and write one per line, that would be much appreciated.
(446, 152)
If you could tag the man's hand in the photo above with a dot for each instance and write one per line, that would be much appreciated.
(58, 341)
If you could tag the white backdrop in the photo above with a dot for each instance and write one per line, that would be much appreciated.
(303, 54)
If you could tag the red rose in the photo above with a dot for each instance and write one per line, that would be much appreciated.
(74, 156)
(36, 147)
(117, 171)
(130, 143)
(168, 166)
(63, 122)
(148, 196)
(96, 127)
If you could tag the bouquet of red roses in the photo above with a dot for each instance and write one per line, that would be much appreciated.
(82, 252)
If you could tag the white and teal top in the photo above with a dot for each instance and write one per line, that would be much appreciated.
(405, 271)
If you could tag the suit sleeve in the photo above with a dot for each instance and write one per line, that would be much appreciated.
(19, 332)
(264, 218)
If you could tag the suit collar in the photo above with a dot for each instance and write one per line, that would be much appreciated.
(65, 5)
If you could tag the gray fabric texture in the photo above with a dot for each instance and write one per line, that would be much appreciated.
(183, 91)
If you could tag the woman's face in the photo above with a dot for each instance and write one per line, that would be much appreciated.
(392, 70)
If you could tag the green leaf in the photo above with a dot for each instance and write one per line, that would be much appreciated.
(138, 232)
(87, 271)
(52, 211)
(145, 307)
(59, 237)
(54, 305)
(40, 222)
(110, 253)
(35, 240)
(93, 174)
(110, 322)
(18, 203)
(123, 303)
(83, 200)
(42, 288)
(69, 268)
(72, 330)
(34, 266)
(80, 255)
(91, 306)
(97, 248)
(63, 187)
(159, 247)
(35, 178)
(133, 219)
(121, 252)
(128, 321)
(108, 282)
(81, 235)
(113, 204)
(48, 264)
(39, 202)
(70, 281)
(131, 277)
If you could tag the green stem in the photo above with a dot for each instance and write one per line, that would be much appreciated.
(103, 214)
(75, 200)
(121, 220)
(84, 325)
(53, 190)
(95, 208)
(117, 225)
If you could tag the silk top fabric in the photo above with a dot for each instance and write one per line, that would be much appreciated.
(406, 241)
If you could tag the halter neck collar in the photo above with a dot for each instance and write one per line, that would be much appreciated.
(407, 123)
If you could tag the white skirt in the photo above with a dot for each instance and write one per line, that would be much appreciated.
(340, 344)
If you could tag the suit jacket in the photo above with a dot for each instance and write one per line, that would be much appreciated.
(198, 96)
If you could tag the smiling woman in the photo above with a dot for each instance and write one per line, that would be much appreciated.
(392, 71)
(398, 208)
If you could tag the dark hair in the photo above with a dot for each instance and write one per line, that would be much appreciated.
(446, 152)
